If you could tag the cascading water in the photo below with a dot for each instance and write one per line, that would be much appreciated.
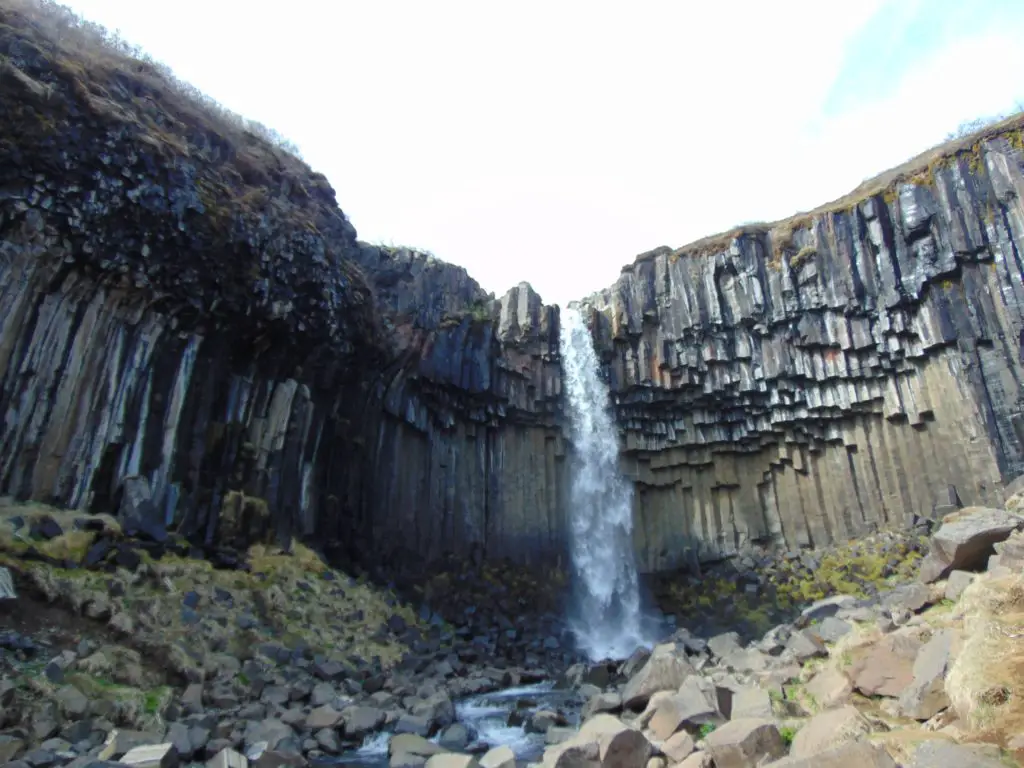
(606, 619)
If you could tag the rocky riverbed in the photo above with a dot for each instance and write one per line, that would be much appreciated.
(122, 648)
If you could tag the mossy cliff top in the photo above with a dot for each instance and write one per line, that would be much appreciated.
(113, 167)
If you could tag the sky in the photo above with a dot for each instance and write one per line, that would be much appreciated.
(553, 141)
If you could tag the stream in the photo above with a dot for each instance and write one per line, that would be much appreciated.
(486, 716)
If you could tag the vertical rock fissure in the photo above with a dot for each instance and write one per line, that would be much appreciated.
(606, 616)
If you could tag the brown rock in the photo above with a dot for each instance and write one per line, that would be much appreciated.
(745, 744)
(855, 754)
(887, 667)
(828, 730)
(666, 670)
(926, 695)
(829, 688)
(966, 541)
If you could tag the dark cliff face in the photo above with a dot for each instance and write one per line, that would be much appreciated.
(183, 301)
(807, 382)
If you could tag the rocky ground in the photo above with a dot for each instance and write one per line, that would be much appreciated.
(123, 648)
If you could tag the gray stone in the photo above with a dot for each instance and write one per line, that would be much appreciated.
(322, 717)
(724, 644)
(678, 746)
(966, 542)
(939, 753)
(745, 743)
(886, 668)
(926, 695)
(499, 757)
(152, 756)
(831, 629)
(828, 730)
(803, 645)
(7, 591)
(956, 583)
(664, 671)
(854, 754)
(227, 758)
(359, 721)
(829, 688)
(751, 703)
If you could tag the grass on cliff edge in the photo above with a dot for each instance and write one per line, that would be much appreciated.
(118, 81)
(918, 169)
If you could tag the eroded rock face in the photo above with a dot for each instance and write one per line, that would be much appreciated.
(808, 382)
(183, 303)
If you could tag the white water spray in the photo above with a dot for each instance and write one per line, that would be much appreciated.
(606, 618)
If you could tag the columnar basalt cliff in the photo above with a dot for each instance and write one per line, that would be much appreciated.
(806, 382)
(184, 303)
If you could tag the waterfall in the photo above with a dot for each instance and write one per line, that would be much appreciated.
(606, 616)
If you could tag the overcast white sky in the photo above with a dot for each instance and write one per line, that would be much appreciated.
(553, 140)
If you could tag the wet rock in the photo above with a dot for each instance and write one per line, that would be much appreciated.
(455, 737)
(420, 726)
(322, 717)
(601, 702)
(745, 743)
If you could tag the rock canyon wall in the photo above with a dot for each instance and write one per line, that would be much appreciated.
(807, 382)
(183, 302)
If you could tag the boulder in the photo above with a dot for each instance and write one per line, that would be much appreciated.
(228, 758)
(151, 756)
(138, 514)
(664, 671)
(751, 703)
(499, 757)
(831, 629)
(822, 609)
(956, 583)
(724, 644)
(697, 760)
(829, 688)
(804, 644)
(854, 754)
(938, 753)
(745, 743)
(601, 702)
(828, 730)
(7, 585)
(322, 717)
(966, 542)
(410, 749)
(678, 747)
(695, 704)
(452, 760)
(926, 695)
(604, 741)
(887, 667)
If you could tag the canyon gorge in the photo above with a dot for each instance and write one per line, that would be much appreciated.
(185, 308)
